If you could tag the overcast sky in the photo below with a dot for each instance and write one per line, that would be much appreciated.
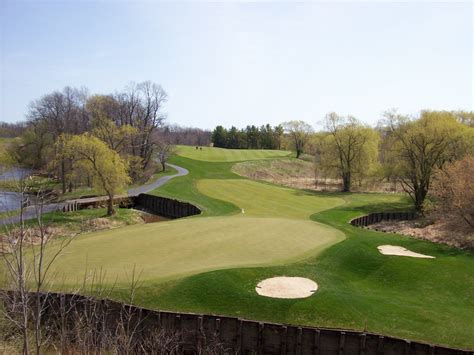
(239, 63)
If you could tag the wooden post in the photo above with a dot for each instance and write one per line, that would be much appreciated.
(316, 342)
(218, 328)
(299, 337)
(407, 347)
(342, 342)
(283, 335)
(363, 344)
(239, 340)
(260, 344)
(380, 345)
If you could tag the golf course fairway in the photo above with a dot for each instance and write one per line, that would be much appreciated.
(264, 200)
(250, 231)
(228, 155)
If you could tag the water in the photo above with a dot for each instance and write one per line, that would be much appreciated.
(13, 174)
(10, 201)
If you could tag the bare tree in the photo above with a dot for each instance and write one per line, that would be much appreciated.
(453, 188)
(164, 151)
(29, 267)
(141, 108)
(299, 133)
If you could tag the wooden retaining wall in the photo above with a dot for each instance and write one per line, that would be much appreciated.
(158, 205)
(236, 335)
(166, 207)
(372, 218)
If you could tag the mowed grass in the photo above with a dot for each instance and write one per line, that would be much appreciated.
(212, 154)
(174, 249)
(161, 251)
(265, 200)
(419, 299)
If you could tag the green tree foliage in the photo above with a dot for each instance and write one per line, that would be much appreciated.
(299, 133)
(348, 149)
(103, 111)
(219, 137)
(92, 158)
(417, 147)
(252, 137)
(127, 122)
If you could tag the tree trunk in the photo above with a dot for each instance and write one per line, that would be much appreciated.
(63, 176)
(298, 153)
(420, 195)
(163, 166)
(110, 206)
(346, 181)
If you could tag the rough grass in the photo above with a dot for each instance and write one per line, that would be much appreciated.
(420, 299)
(359, 288)
(427, 300)
(226, 155)
(275, 170)
(5, 141)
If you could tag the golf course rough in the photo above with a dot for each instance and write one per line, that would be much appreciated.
(275, 229)
(212, 263)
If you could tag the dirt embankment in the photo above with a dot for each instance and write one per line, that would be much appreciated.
(450, 232)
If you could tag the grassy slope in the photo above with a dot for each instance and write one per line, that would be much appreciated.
(166, 250)
(421, 299)
(275, 169)
(228, 155)
(265, 200)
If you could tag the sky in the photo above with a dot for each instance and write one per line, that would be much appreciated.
(243, 62)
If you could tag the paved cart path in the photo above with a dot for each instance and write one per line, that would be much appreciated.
(31, 211)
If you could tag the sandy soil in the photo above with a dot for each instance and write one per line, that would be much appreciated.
(286, 287)
(401, 251)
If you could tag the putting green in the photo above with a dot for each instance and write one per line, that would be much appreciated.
(264, 200)
(228, 155)
(171, 249)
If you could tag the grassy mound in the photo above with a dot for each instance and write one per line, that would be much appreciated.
(227, 155)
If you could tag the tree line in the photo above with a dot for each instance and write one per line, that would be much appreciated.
(103, 141)
(409, 150)
(252, 137)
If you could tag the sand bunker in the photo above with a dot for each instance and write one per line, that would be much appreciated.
(286, 287)
(400, 251)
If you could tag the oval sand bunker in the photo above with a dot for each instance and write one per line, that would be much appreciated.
(286, 287)
(400, 251)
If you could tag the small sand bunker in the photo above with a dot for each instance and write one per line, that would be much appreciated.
(286, 287)
(401, 251)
